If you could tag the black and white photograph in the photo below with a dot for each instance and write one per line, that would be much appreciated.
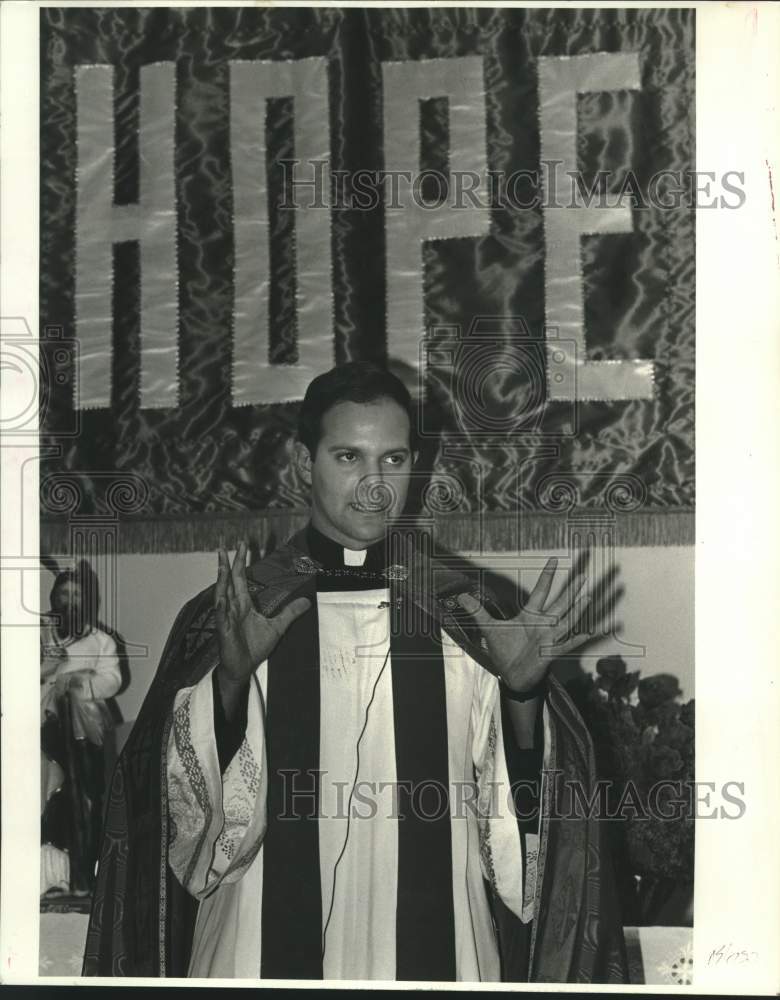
(360, 483)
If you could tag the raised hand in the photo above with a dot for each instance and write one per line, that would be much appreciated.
(522, 648)
(246, 637)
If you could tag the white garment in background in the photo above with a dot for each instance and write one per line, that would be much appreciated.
(94, 657)
(55, 868)
(95, 654)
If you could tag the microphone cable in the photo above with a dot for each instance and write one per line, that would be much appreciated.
(349, 802)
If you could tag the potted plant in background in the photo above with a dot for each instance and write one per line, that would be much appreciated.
(643, 736)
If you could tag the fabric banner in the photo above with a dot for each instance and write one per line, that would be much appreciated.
(498, 203)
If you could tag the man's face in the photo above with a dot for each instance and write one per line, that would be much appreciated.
(360, 473)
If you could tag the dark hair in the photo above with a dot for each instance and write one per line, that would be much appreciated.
(85, 579)
(68, 576)
(353, 382)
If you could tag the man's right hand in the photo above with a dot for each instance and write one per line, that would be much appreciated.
(246, 637)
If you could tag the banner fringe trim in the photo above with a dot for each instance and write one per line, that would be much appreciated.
(491, 532)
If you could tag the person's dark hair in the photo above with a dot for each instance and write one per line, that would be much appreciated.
(353, 382)
(67, 576)
(84, 577)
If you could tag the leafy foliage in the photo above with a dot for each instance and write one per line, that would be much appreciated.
(644, 739)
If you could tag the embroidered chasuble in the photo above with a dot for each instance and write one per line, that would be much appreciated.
(356, 821)
(350, 833)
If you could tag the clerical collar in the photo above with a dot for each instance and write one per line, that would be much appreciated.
(333, 555)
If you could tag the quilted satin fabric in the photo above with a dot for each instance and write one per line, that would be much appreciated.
(206, 455)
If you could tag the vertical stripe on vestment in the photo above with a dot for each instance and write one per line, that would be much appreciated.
(292, 899)
(425, 920)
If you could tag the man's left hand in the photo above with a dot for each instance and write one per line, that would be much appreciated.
(522, 648)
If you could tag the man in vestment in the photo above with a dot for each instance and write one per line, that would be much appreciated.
(320, 781)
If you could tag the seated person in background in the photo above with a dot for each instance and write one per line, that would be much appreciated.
(79, 672)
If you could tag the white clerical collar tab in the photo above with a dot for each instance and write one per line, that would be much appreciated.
(354, 557)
